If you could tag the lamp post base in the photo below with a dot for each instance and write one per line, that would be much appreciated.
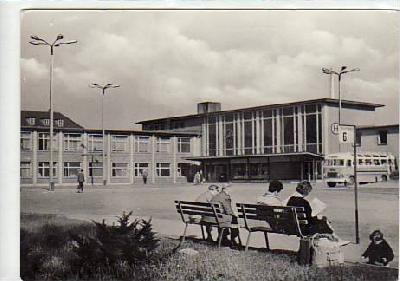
(104, 182)
(51, 186)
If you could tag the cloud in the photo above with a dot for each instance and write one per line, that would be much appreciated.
(166, 61)
(31, 68)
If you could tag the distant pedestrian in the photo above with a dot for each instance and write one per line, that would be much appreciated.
(145, 174)
(81, 180)
(197, 178)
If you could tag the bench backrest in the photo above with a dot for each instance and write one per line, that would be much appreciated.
(209, 212)
(282, 220)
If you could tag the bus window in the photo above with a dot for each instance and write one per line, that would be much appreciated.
(339, 162)
(368, 162)
(360, 161)
(383, 161)
(377, 162)
(348, 163)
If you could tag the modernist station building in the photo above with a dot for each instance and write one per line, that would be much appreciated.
(127, 153)
(277, 141)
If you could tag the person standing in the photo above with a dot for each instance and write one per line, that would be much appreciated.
(81, 180)
(145, 174)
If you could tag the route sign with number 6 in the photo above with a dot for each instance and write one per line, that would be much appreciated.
(346, 134)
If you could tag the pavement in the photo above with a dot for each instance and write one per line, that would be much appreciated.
(378, 208)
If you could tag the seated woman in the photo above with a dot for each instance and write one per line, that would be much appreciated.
(271, 198)
(315, 225)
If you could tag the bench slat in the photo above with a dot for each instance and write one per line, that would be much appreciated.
(202, 209)
(204, 204)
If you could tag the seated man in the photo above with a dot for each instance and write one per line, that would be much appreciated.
(207, 197)
(271, 198)
(226, 201)
(315, 225)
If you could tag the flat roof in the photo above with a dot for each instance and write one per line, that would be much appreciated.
(304, 153)
(345, 104)
(387, 126)
(115, 132)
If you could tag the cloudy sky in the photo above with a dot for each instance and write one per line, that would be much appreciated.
(167, 61)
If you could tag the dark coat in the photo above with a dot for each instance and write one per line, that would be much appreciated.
(375, 252)
(81, 177)
(314, 225)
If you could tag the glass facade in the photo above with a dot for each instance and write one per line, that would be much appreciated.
(280, 130)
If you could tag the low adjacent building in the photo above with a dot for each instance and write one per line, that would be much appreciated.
(127, 153)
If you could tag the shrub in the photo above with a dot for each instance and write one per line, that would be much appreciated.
(128, 244)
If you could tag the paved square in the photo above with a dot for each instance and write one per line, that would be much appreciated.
(378, 208)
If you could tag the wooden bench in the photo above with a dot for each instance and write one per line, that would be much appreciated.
(204, 214)
(273, 219)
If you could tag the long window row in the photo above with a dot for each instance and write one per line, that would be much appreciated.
(73, 143)
(118, 170)
(283, 130)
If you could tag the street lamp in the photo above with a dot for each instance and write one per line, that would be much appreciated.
(103, 89)
(36, 40)
(342, 71)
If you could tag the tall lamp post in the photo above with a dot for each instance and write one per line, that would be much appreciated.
(57, 43)
(103, 91)
(343, 70)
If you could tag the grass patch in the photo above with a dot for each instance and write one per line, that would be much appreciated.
(48, 252)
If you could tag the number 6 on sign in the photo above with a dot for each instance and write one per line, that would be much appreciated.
(346, 134)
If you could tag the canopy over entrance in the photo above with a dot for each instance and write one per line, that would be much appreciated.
(283, 166)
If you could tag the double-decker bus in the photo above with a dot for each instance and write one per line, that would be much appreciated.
(338, 168)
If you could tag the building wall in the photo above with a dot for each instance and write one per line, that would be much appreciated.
(126, 158)
(369, 141)
(349, 116)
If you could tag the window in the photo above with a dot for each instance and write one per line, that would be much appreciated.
(163, 144)
(382, 138)
(183, 169)
(26, 141)
(162, 170)
(60, 122)
(139, 167)
(30, 120)
(184, 145)
(212, 137)
(95, 142)
(44, 142)
(248, 137)
(95, 169)
(288, 133)
(119, 143)
(71, 169)
(46, 122)
(142, 144)
(72, 142)
(25, 170)
(44, 169)
(228, 136)
(119, 170)
(268, 136)
(358, 138)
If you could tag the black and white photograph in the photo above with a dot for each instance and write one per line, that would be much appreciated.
(209, 144)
